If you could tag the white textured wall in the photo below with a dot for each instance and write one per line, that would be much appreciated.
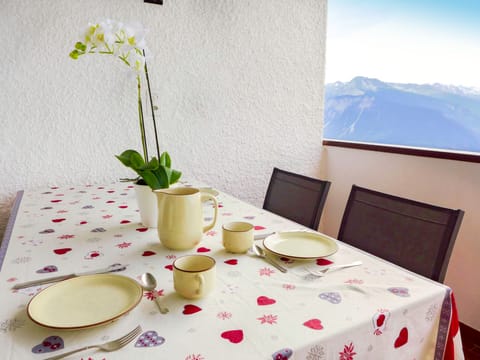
(448, 183)
(239, 85)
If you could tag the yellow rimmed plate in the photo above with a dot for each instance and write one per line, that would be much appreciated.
(85, 301)
(302, 245)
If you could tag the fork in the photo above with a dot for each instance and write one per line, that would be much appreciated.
(108, 346)
(323, 272)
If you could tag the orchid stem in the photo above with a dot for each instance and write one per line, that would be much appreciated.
(142, 122)
(151, 107)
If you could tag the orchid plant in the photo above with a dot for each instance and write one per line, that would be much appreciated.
(127, 43)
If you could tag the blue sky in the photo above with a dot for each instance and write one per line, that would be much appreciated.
(406, 41)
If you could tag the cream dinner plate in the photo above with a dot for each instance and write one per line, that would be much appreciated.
(85, 301)
(300, 245)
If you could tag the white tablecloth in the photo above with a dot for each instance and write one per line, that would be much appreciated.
(374, 311)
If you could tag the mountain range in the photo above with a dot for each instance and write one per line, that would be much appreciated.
(417, 115)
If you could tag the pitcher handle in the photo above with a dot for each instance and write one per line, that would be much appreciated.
(205, 197)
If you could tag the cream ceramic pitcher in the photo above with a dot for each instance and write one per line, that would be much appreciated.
(180, 217)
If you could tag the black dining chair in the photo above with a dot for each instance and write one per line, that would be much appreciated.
(296, 197)
(414, 235)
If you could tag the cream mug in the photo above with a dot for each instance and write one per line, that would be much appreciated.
(194, 276)
(237, 236)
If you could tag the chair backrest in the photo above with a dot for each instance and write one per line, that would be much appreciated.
(296, 197)
(411, 234)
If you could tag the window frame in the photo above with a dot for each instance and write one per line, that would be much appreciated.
(406, 150)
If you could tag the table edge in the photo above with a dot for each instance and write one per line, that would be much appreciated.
(8, 230)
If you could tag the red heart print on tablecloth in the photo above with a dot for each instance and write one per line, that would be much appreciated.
(258, 227)
(264, 300)
(125, 222)
(55, 201)
(51, 343)
(231, 262)
(62, 251)
(402, 338)
(380, 320)
(148, 253)
(58, 220)
(142, 229)
(203, 249)
(47, 269)
(190, 309)
(169, 267)
(234, 336)
(92, 255)
(149, 339)
(314, 324)
(283, 354)
(323, 262)
(123, 206)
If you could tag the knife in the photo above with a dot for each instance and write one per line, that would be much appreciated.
(262, 236)
(111, 268)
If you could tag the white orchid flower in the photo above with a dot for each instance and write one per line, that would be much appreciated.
(108, 28)
(136, 60)
(135, 34)
(125, 41)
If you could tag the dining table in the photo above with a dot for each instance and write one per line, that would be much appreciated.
(375, 310)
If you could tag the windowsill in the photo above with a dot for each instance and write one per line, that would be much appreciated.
(404, 150)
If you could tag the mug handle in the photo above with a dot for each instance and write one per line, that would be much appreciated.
(201, 281)
(205, 197)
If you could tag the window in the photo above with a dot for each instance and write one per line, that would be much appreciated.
(404, 73)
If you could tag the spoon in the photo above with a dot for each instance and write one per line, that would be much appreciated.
(261, 253)
(149, 283)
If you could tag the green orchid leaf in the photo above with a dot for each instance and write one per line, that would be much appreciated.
(136, 160)
(162, 159)
(165, 159)
(168, 173)
(125, 160)
(132, 159)
(152, 164)
(175, 176)
(151, 179)
(162, 176)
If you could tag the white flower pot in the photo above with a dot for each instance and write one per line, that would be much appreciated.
(147, 205)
